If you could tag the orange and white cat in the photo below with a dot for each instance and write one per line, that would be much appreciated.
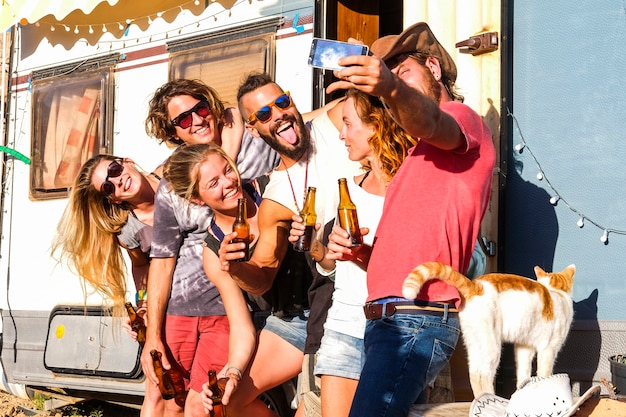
(533, 315)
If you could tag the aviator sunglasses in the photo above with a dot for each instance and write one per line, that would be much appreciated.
(264, 114)
(114, 170)
(185, 119)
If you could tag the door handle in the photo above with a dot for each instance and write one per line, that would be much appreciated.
(479, 44)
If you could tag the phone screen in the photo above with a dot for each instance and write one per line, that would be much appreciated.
(326, 53)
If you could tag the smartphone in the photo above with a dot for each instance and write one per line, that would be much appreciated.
(325, 53)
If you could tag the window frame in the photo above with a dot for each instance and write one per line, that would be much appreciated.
(235, 37)
(56, 80)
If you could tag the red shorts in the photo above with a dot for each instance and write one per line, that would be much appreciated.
(198, 344)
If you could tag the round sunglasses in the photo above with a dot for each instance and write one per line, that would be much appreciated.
(114, 170)
(185, 119)
(264, 114)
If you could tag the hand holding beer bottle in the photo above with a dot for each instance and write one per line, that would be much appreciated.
(219, 410)
(242, 227)
(346, 214)
(309, 218)
(137, 324)
(171, 382)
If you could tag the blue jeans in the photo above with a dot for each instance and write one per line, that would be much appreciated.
(403, 354)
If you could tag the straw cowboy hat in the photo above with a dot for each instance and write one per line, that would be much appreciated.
(418, 38)
(538, 397)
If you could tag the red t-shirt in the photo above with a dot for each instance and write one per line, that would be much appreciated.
(433, 209)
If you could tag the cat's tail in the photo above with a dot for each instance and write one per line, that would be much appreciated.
(436, 270)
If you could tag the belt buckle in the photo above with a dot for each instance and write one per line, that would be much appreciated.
(385, 313)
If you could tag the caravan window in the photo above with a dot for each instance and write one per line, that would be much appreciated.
(70, 125)
(222, 60)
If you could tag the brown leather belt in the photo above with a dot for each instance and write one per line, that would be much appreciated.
(375, 310)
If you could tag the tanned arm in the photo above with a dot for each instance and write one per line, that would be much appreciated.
(257, 275)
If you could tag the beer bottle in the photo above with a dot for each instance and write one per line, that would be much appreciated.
(346, 214)
(171, 383)
(218, 408)
(309, 218)
(242, 227)
(137, 324)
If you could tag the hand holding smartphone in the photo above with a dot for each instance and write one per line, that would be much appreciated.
(325, 53)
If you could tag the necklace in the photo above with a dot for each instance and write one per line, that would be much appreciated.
(306, 179)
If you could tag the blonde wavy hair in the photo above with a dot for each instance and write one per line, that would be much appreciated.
(389, 142)
(86, 238)
(182, 168)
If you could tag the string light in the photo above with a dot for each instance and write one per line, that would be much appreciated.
(556, 197)
(605, 237)
(90, 29)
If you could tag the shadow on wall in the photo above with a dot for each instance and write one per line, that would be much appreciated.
(532, 227)
(579, 364)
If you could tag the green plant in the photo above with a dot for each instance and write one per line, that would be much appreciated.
(40, 400)
(97, 412)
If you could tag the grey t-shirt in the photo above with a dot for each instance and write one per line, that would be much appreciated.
(136, 234)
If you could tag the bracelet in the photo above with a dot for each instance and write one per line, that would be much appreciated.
(237, 372)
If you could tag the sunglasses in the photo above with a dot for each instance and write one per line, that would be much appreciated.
(114, 170)
(185, 119)
(264, 114)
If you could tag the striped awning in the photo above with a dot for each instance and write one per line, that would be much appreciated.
(13, 12)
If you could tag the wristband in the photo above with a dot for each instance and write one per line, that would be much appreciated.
(142, 295)
(237, 372)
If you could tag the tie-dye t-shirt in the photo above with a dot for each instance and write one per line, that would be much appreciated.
(180, 228)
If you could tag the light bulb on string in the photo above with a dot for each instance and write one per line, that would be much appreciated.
(581, 222)
(540, 176)
(605, 237)
(104, 28)
(159, 14)
(67, 28)
(554, 200)
(520, 147)
(90, 29)
(150, 20)
(76, 29)
(196, 2)
(52, 28)
(120, 26)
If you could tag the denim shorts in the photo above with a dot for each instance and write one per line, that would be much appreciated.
(289, 328)
(340, 355)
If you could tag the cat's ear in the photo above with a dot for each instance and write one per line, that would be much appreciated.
(539, 272)
(571, 269)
